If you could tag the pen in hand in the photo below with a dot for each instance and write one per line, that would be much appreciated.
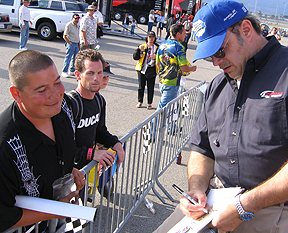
(188, 197)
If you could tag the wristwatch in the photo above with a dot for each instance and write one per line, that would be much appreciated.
(244, 215)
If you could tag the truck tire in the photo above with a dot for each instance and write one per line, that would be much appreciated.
(117, 16)
(46, 31)
(142, 19)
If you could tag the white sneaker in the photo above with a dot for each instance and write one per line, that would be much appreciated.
(65, 75)
(71, 74)
(23, 48)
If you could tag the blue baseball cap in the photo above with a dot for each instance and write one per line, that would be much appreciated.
(211, 23)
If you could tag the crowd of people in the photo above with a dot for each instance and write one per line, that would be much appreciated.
(240, 138)
(274, 32)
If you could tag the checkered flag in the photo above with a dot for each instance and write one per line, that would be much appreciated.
(185, 106)
(74, 225)
(147, 139)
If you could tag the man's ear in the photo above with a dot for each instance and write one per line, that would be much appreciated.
(15, 94)
(77, 75)
(246, 28)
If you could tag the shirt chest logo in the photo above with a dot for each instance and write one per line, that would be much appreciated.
(89, 121)
(270, 94)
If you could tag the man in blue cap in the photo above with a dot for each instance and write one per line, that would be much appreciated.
(241, 137)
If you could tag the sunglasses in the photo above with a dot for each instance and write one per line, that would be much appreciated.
(221, 52)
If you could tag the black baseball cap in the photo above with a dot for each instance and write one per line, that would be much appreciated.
(151, 33)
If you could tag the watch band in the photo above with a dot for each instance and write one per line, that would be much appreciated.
(243, 215)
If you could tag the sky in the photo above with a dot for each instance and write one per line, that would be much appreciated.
(269, 7)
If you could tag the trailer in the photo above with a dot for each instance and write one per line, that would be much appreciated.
(139, 9)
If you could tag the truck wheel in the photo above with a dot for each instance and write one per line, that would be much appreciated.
(142, 19)
(117, 16)
(46, 31)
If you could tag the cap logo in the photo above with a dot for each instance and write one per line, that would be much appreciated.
(199, 27)
(231, 15)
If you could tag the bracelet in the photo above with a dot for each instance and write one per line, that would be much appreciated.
(89, 154)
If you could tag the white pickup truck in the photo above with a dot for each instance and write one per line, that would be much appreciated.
(48, 17)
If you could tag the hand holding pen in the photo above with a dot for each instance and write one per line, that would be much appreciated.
(188, 197)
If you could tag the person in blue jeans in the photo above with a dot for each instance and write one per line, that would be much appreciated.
(151, 19)
(71, 37)
(133, 25)
(172, 63)
(24, 20)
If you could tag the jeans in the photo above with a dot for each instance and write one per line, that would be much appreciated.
(24, 35)
(132, 29)
(71, 51)
(168, 93)
(150, 26)
(125, 27)
(193, 37)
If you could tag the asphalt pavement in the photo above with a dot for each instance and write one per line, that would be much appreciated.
(121, 98)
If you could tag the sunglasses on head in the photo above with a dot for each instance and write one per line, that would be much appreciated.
(221, 52)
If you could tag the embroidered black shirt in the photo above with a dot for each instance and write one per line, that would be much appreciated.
(30, 161)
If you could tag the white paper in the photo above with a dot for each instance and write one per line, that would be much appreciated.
(55, 207)
(190, 225)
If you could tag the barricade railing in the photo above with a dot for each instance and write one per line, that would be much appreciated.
(133, 180)
(180, 117)
(150, 149)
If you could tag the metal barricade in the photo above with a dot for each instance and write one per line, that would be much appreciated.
(133, 180)
(180, 117)
(150, 149)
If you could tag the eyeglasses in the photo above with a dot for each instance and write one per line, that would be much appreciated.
(221, 52)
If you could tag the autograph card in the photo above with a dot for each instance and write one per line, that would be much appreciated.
(190, 225)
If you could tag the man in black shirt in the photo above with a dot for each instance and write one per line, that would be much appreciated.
(241, 135)
(36, 139)
(91, 129)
